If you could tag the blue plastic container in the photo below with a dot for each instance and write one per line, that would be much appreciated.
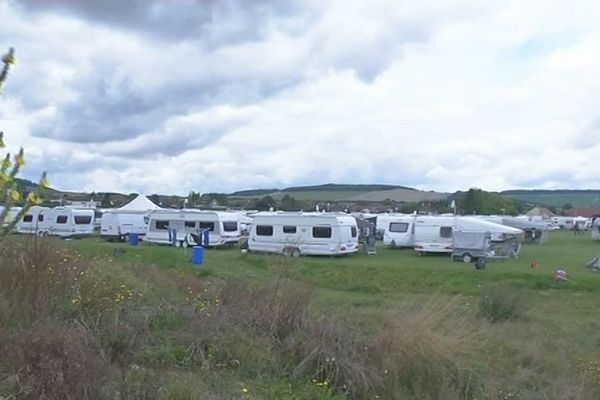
(198, 255)
(134, 239)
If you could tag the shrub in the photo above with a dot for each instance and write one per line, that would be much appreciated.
(429, 352)
(55, 363)
(502, 303)
(37, 277)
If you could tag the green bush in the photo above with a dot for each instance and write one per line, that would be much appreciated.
(502, 303)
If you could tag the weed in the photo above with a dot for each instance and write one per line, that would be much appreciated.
(502, 302)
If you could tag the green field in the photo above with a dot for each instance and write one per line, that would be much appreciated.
(442, 343)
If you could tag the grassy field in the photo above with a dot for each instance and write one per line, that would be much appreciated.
(398, 325)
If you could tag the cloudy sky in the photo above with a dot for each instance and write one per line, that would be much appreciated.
(162, 96)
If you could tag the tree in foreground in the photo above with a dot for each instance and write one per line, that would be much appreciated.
(9, 169)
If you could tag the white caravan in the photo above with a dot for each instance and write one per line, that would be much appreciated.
(596, 229)
(67, 222)
(303, 233)
(399, 231)
(11, 215)
(433, 234)
(33, 221)
(115, 225)
(184, 227)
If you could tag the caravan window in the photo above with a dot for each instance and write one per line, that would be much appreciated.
(321, 231)
(61, 219)
(399, 227)
(41, 217)
(161, 225)
(230, 226)
(353, 231)
(289, 229)
(28, 218)
(207, 225)
(83, 219)
(446, 231)
(190, 224)
(264, 230)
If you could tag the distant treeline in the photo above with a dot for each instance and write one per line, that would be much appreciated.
(558, 191)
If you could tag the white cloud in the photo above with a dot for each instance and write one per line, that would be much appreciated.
(437, 95)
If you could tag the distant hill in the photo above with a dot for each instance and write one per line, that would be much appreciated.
(347, 193)
(557, 198)
(254, 192)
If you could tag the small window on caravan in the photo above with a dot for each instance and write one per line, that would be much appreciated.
(446, 231)
(264, 230)
(353, 231)
(321, 231)
(190, 224)
(61, 219)
(207, 225)
(230, 226)
(28, 218)
(83, 219)
(41, 217)
(161, 225)
(289, 229)
(146, 220)
(398, 227)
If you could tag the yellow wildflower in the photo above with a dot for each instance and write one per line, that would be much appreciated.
(33, 198)
(20, 158)
(14, 195)
(44, 183)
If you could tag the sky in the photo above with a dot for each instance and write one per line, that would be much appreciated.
(166, 96)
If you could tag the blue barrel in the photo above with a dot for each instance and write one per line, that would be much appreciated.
(197, 255)
(134, 239)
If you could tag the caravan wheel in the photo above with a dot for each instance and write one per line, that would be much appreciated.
(296, 252)
(467, 258)
(286, 252)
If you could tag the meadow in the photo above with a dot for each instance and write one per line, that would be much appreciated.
(250, 326)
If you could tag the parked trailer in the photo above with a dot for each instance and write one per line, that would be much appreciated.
(399, 231)
(303, 233)
(117, 225)
(434, 234)
(596, 229)
(33, 222)
(184, 227)
(66, 222)
(10, 215)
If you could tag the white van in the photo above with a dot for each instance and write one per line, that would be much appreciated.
(33, 222)
(596, 229)
(67, 222)
(184, 227)
(116, 225)
(300, 233)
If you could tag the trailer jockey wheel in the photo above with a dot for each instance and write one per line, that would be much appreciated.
(184, 243)
(287, 251)
(467, 258)
(480, 263)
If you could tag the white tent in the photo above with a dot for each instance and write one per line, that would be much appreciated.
(137, 205)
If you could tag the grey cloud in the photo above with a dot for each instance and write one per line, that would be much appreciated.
(216, 21)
